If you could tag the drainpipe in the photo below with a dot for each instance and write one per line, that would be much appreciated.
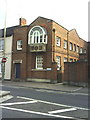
(68, 56)
(68, 46)
(54, 45)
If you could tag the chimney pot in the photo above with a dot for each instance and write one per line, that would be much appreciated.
(22, 21)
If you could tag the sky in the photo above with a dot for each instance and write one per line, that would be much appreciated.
(71, 14)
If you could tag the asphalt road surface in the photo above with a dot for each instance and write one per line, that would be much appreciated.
(38, 103)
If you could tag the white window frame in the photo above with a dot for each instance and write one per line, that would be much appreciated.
(37, 32)
(65, 44)
(71, 46)
(65, 59)
(58, 41)
(81, 50)
(77, 49)
(19, 44)
(1, 44)
(39, 62)
(85, 51)
(71, 60)
(74, 49)
(58, 60)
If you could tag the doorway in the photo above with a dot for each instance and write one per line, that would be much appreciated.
(17, 70)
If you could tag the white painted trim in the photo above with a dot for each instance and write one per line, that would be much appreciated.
(53, 103)
(62, 110)
(38, 113)
(43, 31)
(19, 103)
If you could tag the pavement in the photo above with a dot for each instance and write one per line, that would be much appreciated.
(4, 93)
(47, 86)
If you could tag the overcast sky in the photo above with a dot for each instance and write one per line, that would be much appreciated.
(71, 14)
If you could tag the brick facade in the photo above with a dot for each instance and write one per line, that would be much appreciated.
(27, 59)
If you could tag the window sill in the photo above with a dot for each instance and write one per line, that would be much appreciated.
(39, 70)
(65, 48)
(19, 49)
(58, 46)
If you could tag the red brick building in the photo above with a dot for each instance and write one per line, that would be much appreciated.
(41, 48)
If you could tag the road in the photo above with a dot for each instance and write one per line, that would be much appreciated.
(39, 103)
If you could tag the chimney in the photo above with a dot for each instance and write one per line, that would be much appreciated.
(22, 21)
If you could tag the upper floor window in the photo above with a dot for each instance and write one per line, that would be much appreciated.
(1, 44)
(85, 50)
(58, 41)
(65, 44)
(37, 34)
(71, 46)
(19, 45)
(81, 50)
(74, 48)
(77, 49)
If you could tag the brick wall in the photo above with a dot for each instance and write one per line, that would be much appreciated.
(19, 56)
(76, 73)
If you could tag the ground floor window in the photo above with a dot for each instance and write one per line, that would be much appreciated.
(65, 59)
(58, 60)
(71, 60)
(39, 62)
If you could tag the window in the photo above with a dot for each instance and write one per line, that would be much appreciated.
(58, 41)
(39, 62)
(58, 62)
(77, 49)
(19, 45)
(37, 34)
(71, 60)
(74, 49)
(65, 44)
(75, 60)
(1, 44)
(81, 50)
(85, 51)
(65, 59)
(71, 46)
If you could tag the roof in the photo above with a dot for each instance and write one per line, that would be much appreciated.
(9, 31)
(51, 21)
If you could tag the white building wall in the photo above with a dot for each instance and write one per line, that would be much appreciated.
(8, 55)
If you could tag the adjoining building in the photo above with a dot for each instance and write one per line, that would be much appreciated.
(8, 50)
(41, 48)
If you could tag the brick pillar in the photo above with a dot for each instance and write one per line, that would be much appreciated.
(54, 72)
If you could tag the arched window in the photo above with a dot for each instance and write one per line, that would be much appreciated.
(37, 34)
